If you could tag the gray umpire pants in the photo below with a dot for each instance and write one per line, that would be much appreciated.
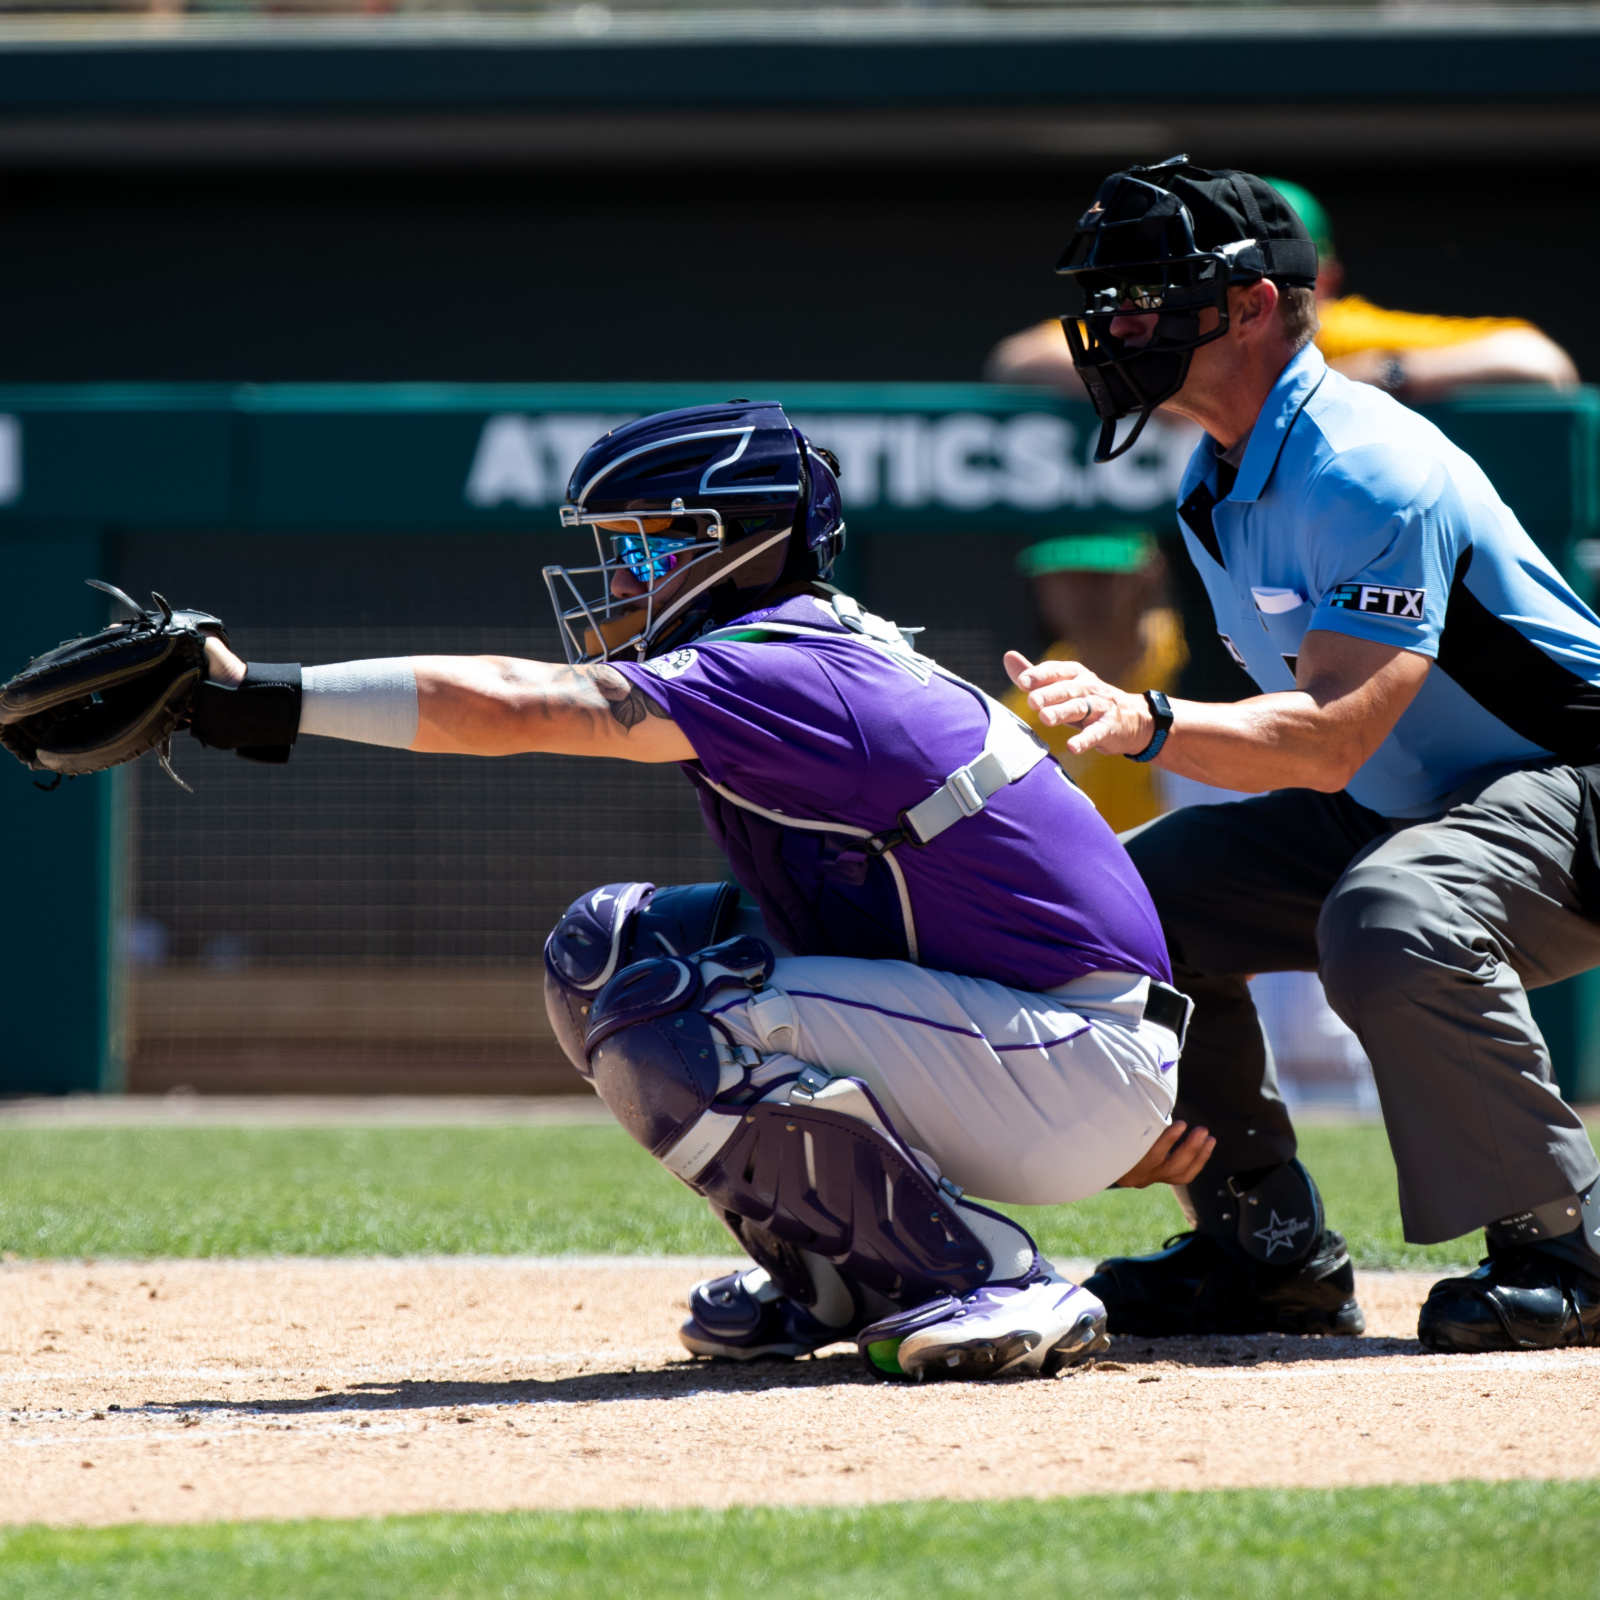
(1427, 936)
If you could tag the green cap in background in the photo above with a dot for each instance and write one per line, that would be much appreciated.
(1308, 208)
(1120, 550)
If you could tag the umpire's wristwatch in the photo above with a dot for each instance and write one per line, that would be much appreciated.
(1161, 710)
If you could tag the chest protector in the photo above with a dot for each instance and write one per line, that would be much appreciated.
(837, 888)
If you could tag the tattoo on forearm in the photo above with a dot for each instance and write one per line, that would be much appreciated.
(629, 705)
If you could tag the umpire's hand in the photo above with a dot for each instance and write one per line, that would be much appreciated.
(1170, 1161)
(1068, 694)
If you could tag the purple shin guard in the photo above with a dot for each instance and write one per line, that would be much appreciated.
(821, 1170)
(828, 1182)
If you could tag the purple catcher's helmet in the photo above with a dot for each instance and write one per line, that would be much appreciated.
(733, 493)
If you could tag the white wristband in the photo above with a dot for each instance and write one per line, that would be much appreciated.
(372, 702)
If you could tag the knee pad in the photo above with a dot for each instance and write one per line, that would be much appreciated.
(654, 1055)
(1274, 1216)
(610, 928)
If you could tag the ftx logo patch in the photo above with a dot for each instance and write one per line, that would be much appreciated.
(1380, 598)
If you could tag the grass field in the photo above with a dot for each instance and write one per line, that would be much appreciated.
(149, 1192)
(1527, 1540)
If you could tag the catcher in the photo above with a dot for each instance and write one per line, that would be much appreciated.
(946, 975)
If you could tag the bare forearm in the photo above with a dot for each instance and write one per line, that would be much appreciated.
(1317, 736)
(1036, 355)
(499, 705)
(1514, 355)
(1272, 741)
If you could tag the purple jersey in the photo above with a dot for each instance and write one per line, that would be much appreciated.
(1032, 891)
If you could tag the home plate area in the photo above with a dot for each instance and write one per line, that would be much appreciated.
(190, 1391)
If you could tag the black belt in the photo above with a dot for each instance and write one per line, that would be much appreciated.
(1167, 1008)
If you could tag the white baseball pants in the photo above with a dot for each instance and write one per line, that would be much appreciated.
(1029, 1099)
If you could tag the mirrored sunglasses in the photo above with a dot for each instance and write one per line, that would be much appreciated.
(648, 557)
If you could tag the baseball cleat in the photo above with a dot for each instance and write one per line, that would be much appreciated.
(1036, 1327)
(1519, 1298)
(744, 1317)
(1196, 1286)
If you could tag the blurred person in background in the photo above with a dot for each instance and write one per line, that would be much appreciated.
(1101, 599)
(1415, 356)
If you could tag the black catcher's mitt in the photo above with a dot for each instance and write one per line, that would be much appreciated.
(97, 702)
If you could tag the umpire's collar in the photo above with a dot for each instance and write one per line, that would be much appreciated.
(1296, 384)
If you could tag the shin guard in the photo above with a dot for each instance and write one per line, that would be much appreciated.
(1273, 1216)
(811, 1165)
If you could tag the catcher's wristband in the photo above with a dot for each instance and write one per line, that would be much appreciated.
(259, 719)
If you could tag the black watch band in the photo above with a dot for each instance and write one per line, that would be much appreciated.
(1161, 710)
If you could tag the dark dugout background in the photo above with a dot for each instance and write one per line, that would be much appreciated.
(827, 270)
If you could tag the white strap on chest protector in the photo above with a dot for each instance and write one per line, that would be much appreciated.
(1010, 751)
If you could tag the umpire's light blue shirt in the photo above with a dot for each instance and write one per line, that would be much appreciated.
(1353, 514)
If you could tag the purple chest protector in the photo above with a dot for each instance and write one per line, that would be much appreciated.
(821, 894)
(836, 888)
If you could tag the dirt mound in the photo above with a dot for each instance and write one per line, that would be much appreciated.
(179, 1391)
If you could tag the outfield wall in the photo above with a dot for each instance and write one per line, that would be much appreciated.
(364, 919)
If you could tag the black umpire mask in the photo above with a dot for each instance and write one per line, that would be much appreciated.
(1161, 244)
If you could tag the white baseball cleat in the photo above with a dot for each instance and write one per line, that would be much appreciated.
(1035, 1327)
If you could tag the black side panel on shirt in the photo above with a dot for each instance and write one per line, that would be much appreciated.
(852, 907)
(1196, 511)
(1513, 679)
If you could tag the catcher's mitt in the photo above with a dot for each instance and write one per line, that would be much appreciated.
(97, 702)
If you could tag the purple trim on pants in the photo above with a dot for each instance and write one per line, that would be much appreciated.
(903, 1016)
(1044, 1044)
(864, 1005)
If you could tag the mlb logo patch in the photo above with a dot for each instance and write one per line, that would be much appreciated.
(1379, 598)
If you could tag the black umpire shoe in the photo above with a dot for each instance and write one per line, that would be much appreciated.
(1196, 1284)
(1520, 1298)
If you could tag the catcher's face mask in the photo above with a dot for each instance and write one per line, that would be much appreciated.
(697, 514)
(639, 581)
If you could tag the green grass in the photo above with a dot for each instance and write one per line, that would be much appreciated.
(1527, 1540)
(146, 1192)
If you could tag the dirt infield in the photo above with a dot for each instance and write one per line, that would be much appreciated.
(179, 1391)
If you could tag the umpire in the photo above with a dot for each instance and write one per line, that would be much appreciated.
(1429, 728)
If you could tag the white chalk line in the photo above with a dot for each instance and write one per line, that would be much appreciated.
(542, 1357)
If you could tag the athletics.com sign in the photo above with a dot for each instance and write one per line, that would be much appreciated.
(963, 461)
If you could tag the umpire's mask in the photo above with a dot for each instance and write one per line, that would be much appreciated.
(1158, 246)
